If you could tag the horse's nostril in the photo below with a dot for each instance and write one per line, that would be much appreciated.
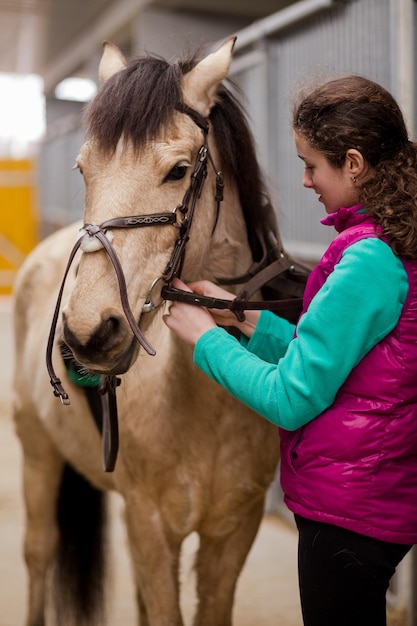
(105, 333)
(102, 339)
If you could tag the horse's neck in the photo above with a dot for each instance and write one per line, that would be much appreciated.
(171, 367)
(230, 253)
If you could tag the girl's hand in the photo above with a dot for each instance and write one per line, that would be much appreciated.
(224, 317)
(189, 321)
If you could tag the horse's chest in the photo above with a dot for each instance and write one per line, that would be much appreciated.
(187, 481)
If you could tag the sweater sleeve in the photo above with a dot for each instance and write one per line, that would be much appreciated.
(271, 337)
(357, 306)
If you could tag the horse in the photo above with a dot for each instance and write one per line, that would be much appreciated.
(191, 458)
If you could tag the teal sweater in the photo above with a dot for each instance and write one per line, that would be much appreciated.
(288, 380)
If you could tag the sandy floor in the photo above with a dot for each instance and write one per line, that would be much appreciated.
(267, 594)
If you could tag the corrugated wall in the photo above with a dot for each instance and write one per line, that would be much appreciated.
(61, 187)
(348, 37)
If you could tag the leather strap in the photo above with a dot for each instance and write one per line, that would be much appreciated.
(138, 221)
(197, 118)
(110, 425)
(241, 302)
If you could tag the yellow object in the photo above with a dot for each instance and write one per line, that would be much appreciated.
(18, 217)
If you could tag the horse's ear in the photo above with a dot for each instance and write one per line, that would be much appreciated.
(111, 62)
(201, 83)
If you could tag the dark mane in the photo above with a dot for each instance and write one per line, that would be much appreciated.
(239, 161)
(139, 101)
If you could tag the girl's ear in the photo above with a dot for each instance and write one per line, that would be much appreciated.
(355, 163)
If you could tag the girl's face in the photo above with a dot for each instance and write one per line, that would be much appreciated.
(333, 185)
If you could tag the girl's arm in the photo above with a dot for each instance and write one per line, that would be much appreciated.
(358, 305)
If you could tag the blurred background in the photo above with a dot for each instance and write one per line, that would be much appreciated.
(49, 55)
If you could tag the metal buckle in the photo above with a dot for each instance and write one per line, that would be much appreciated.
(149, 305)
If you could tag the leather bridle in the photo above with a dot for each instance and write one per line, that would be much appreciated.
(181, 218)
(101, 233)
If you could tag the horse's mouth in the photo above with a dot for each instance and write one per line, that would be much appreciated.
(108, 366)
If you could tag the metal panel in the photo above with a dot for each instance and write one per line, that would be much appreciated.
(415, 57)
(61, 188)
(350, 37)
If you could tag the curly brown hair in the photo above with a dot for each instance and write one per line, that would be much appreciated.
(355, 112)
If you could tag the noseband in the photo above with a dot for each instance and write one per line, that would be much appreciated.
(95, 237)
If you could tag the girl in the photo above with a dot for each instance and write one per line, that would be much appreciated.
(342, 384)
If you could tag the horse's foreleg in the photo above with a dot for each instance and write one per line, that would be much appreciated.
(41, 479)
(218, 565)
(156, 562)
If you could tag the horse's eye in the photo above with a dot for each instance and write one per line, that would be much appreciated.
(177, 173)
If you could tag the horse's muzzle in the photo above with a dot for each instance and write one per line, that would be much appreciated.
(109, 350)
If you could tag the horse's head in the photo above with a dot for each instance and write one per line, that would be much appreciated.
(145, 131)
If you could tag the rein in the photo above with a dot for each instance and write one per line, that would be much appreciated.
(95, 237)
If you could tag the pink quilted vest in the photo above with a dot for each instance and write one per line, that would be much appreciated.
(355, 465)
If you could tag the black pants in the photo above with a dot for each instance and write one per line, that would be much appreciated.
(344, 576)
